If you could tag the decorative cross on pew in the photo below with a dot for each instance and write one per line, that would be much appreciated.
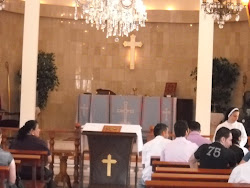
(132, 44)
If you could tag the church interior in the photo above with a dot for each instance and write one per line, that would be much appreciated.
(86, 61)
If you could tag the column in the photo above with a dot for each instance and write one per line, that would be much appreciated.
(204, 71)
(29, 60)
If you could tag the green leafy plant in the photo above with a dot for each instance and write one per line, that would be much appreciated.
(225, 75)
(47, 79)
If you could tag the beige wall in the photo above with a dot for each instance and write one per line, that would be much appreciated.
(86, 60)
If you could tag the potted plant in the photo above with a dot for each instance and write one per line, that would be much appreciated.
(47, 79)
(225, 75)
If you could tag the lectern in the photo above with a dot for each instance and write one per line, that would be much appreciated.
(110, 156)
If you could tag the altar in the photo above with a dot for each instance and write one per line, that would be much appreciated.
(127, 109)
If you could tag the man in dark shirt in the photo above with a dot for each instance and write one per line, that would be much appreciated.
(215, 155)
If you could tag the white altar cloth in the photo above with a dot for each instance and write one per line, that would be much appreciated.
(97, 127)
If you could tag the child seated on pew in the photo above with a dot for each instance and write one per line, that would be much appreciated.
(153, 148)
(6, 159)
(235, 147)
(28, 139)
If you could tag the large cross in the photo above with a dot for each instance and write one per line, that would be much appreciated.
(132, 44)
(125, 111)
(109, 162)
(167, 112)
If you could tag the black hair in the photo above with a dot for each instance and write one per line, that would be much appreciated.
(236, 133)
(28, 126)
(180, 128)
(222, 132)
(194, 126)
(228, 112)
(159, 128)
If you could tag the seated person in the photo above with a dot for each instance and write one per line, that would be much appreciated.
(28, 139)
(245, 158)
(216, 155)
(153, 148)
(240, 174)
(6, 159)
(194, 134)
(235, 147)
(180, 149)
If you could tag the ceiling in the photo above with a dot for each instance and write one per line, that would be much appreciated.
(150, 4)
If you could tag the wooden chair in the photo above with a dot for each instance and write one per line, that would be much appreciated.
(190, 184)
(4, 175)
(190, 177)
(34, 159)
(193, 171)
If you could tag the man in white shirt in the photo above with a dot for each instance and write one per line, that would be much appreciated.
(180, 149)
(240, 174)
(153, 148)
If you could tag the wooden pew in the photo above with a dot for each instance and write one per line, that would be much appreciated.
(169, 164)
(190, 177)
(193, 171)
(190, 184)
(34, 159)
(4, 175)
(51, 135)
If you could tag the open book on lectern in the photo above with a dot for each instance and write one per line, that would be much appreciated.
(98, 127)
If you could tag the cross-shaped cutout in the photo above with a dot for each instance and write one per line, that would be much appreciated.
(132, 44)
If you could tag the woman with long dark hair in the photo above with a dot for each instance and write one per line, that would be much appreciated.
(28, 139)
(235, 147)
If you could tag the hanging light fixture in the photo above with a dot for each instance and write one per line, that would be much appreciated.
(2, 5)
(222, 10)
(119, 17)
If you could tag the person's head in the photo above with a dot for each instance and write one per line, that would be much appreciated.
(161, 129)
(224, 136)
(232, 114)
(194, 126)
(236, 133)
(181, 128)
(31, 127)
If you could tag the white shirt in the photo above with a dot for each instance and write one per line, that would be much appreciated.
(179, 150)
(240, 174)
(152, 148)
(235, 125)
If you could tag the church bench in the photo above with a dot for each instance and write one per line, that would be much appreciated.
(4, 175)
(190, 184)
(190, 177)
(51, 136)
(169, 164)
(193, 171)
(34, 159)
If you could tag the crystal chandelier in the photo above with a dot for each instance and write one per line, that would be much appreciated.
(2, 5)
(119, 17)
(222, 10)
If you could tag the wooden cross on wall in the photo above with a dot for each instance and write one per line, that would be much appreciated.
(132, 44)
